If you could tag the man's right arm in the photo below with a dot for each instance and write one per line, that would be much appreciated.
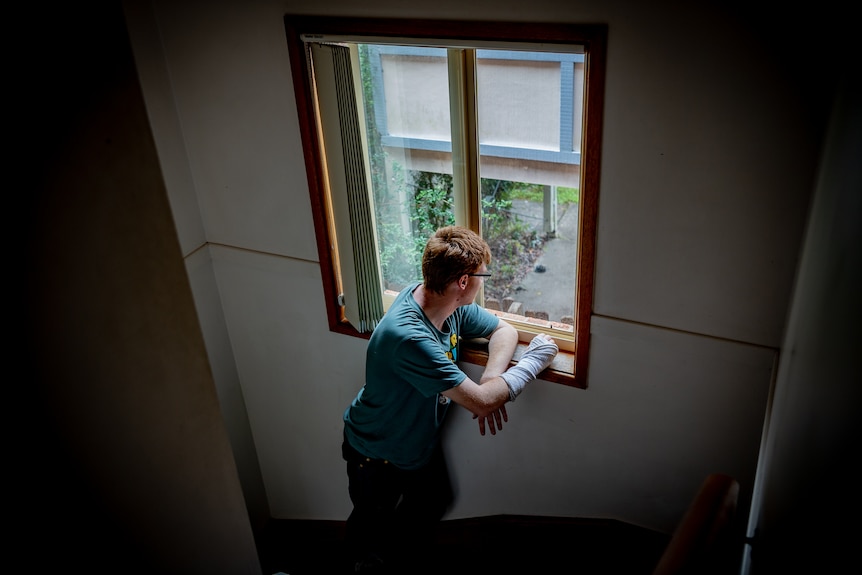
(486, 400)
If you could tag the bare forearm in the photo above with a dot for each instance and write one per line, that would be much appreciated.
(480, 399)
(501, 349)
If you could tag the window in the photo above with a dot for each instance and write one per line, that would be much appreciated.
(411, 125)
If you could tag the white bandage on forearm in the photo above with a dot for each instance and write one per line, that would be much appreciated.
(537, 357)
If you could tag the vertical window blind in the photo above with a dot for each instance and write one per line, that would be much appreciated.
(336, 72)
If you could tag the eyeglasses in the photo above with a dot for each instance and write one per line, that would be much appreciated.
(483, 276)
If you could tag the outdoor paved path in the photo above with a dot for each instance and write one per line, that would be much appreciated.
(554, 290)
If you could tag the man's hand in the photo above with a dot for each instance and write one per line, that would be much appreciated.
(495, 422)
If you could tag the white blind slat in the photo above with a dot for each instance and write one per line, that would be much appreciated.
(350, 187)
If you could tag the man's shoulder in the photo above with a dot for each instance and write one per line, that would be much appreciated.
(403, 320)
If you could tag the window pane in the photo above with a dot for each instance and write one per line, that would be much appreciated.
(532, 142)
(529, 108)
(406, 101)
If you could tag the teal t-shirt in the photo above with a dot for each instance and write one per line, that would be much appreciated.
(397, 414)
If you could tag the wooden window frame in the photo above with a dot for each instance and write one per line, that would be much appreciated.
(570, 366)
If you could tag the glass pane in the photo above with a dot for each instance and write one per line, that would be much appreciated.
(406, 103)
(529, 107)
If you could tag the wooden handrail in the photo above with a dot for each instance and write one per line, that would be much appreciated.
(704, 541)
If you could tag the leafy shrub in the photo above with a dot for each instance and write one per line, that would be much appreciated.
(514, 244)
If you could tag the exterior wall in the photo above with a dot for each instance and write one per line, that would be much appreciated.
(524, 109)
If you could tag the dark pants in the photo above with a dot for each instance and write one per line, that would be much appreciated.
(395, 511)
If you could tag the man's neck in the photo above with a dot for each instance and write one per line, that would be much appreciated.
(437, 307)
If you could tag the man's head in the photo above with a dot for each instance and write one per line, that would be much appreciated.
(451, 253)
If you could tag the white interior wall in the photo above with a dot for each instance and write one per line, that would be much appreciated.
(707, 165)
(119, 456)
(805, 484)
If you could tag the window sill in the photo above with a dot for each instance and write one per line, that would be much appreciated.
(561, 370)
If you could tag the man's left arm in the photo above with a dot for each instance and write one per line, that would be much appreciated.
(501, 349)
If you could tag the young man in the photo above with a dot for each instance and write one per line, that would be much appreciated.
(398, 480)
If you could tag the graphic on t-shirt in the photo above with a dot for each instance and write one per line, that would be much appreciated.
(452, 354)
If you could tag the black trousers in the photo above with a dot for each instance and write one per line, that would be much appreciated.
(395, 511)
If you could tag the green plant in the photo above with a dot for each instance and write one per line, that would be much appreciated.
(432, 203)
(536, 193)
(567, 195)
(514, 244)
